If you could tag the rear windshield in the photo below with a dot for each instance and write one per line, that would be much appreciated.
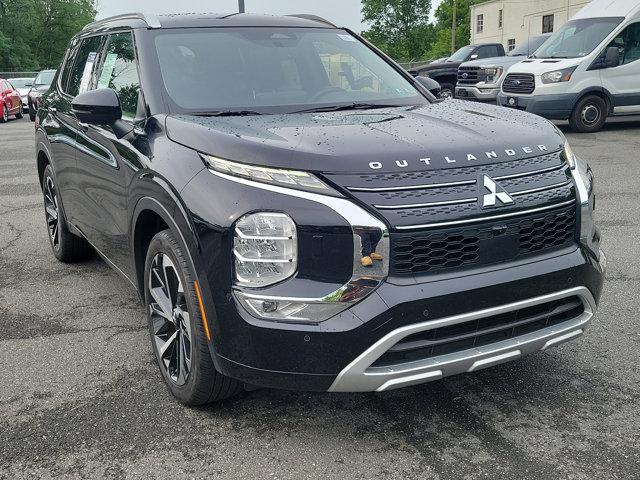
(45, 77)
(275, 70)
(578, 38)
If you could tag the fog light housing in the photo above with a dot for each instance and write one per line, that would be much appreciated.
(265, 249)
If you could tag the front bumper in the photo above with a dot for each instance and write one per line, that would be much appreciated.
(485, 94)
(553, 107)
(338, 355)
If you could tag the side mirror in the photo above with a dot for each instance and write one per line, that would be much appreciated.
(612, 57)
(473, 57)
(99, 107)
(430, 84)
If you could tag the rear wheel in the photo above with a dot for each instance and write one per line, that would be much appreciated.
(176, 326)
(589, 114)
(66, 246)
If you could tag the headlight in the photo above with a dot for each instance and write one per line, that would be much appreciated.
(274, 176)
(265, 249)
(492, 73)
(558, 76)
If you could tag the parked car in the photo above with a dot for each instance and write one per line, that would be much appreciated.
(446, 73)
(23, 85)
(9, 101)
(40, 86)
(587, 71)
(326, 225)
(481, 79)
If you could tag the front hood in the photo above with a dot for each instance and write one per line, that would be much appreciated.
(23, 91)
(538, 66)
(40, 88)
(436, 66)
(495, 61)
(442, 135)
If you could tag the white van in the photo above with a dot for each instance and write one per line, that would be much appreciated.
(588, 70)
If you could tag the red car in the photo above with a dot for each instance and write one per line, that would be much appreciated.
(10, 101)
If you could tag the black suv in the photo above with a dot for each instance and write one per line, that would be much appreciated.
(296, 211)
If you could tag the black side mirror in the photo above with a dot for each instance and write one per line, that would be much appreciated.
(98, 107)
(612, 57)
(430, 84)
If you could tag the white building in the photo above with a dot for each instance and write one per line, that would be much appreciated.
(511, 22)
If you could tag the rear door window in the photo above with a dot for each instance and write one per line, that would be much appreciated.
(119, 71)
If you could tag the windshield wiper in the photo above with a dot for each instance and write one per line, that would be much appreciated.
(225, 113)
(350, 106)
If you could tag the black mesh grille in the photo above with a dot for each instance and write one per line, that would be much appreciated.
(444, 250)
(484, 331)
(519, 83)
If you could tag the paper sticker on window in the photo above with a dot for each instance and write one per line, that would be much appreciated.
(107, 70)
(346, 38)
(86, 73)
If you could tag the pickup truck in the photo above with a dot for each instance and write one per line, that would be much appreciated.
(481, 79)
(446, 73)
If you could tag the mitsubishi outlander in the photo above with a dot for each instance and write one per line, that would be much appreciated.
(296, 211)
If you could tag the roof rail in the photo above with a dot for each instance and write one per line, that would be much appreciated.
(151, 20)
(315, 18)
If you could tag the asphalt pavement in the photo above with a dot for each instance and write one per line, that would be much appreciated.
(81, 396)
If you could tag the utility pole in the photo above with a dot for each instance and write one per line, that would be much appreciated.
(241, 6)
(453, 26)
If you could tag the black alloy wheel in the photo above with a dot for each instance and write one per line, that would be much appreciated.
(170, 319)
(52, 213)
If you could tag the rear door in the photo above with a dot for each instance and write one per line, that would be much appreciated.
(623, 81)
(105, 164)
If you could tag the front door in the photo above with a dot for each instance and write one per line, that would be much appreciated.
(623, 81)
(105, 164)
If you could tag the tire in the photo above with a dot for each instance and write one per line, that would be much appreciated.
(447, 90)
(66, 246)
(32, 113)
(176, 327)
(5, 114)
(19, 114)
(589, 114)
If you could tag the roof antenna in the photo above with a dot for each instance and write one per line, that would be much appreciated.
(240, 6)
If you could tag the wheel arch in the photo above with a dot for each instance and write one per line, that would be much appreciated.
(600, 92)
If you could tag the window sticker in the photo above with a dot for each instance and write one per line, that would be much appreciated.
(346, 38)
(86, 73)
(107, 70)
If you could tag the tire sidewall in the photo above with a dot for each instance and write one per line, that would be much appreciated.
(447, 86)
(576, 118)
(166, 243)
(5, 113)
(62, 223)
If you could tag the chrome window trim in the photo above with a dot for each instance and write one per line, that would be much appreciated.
(358, 376)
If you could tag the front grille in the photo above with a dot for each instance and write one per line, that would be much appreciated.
(470, 75)
(489, 243)
(524, 83)
(484, 331)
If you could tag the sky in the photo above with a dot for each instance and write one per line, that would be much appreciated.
(345, 13)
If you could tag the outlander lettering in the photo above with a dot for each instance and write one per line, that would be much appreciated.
(290, 228)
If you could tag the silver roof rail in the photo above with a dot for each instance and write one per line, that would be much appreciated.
(151, 20)
(315, 18)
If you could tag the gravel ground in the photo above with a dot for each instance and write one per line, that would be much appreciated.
(82, 397)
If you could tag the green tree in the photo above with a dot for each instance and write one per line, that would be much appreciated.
(399, 27)
(34, 34)
(444, 18)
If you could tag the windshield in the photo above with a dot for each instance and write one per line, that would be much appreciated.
(578, 38)
(275, 70)
(21, 82)
(460, 55)
(529, 47)
(45, 77)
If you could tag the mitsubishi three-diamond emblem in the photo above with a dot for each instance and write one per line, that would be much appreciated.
(496, 193)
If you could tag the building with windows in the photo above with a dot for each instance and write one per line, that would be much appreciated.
(512, 22)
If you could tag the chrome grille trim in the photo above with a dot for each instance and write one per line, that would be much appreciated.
(426, 205)
(484, 219)
(527, 174)
(410, 187)
(540, 189)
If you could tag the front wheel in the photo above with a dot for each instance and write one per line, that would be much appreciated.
(177, 329)
(589, 114)
(19, 114)
(32, 113)
(5, 114)
(447, 90)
